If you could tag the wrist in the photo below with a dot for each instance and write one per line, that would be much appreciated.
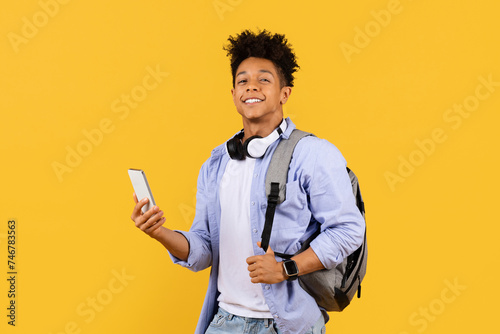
(283, 276)
(291, 270)
(159, 233)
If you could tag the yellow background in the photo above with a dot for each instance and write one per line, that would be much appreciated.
(438, 227)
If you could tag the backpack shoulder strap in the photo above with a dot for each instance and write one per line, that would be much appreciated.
(276, 178)
(357, 193)
(280, 162)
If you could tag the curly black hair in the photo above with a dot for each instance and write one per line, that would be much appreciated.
(263, 44)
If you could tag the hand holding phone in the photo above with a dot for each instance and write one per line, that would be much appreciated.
(152, 222)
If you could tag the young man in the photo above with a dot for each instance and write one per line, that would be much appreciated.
(249, 290)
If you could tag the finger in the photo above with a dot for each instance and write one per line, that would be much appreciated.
(152, 210)
(252, 259)
(161, 222)
(254, 271)
(255, 280)
(142, 218)
(156, 217)
(269, 250)
(135, 198)
(138, 208)
(155, 225)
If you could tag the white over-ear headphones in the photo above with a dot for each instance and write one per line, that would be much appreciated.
(255, 146)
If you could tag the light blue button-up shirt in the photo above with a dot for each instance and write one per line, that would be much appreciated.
(318, 195)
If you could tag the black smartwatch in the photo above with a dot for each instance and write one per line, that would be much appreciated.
(291, 269)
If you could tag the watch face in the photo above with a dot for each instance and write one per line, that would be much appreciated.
(291, 267)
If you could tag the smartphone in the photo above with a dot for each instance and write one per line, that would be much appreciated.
(141, 187)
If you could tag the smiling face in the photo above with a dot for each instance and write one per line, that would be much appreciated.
(257, 93)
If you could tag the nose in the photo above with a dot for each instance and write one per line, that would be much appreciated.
(252, 86)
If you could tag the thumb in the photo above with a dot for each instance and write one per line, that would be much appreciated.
(269, 250)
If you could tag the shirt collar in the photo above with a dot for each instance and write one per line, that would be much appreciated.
(290, 126)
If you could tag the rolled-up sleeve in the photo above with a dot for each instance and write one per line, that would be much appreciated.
(198, 237)
(333, 205)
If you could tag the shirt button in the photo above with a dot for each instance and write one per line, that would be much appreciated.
(267, 288)
(253, 203)
(255, 175)
(255, 230)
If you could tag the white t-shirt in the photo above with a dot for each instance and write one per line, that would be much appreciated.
(238, 295)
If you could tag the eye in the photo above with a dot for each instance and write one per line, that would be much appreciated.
(242, 81)
(264, 79)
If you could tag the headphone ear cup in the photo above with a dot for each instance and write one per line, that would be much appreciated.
(235, 149)
(245, 146)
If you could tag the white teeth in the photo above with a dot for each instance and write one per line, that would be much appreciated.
(252, 100)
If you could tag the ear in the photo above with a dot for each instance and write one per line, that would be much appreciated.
(285, 94)
(234, 96)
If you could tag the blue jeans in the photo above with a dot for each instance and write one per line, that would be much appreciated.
(227, 323)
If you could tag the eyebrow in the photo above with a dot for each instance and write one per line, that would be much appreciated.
(261, 71)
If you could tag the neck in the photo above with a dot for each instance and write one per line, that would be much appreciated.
(262, 129)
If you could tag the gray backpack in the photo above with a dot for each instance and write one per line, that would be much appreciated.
(332, 289)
